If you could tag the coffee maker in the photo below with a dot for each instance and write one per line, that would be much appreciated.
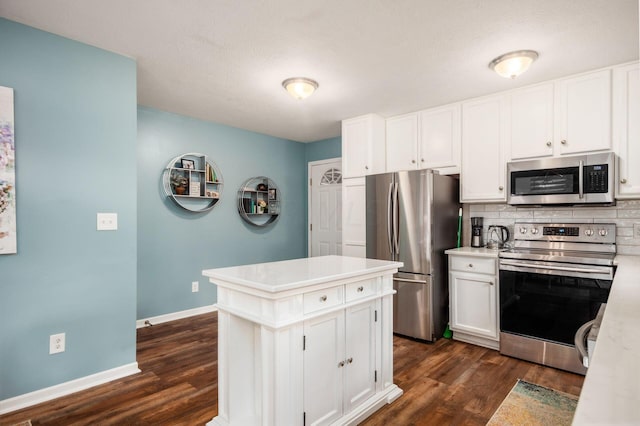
(476, 232)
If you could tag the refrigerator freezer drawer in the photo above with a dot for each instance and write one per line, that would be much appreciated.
(412, 313)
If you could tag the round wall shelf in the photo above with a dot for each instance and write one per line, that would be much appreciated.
(193, 182)
(259, 201)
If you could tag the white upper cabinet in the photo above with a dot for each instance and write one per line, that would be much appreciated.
(583, 113)
(402, 143)
(532, 122)
(363, 146)
(440, 138)
(569, 116)
(484, 133)
(428, 139)
(626, 129)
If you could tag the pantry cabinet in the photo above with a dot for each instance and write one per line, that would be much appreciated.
(484, 134)
(626, 129)
(568, 116)
(473, 296)
(363, 146)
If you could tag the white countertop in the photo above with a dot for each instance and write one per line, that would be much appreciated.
(285, 275)
(474, 251)
(611, 391)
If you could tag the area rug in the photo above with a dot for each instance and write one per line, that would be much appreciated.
(531, 405)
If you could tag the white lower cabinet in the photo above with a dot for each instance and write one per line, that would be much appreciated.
(340, 371)
(473, 300)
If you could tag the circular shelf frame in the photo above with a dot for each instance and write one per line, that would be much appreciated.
(204, 172)
(249, 195)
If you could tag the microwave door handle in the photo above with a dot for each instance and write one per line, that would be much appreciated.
(390, 218)
(580, 178)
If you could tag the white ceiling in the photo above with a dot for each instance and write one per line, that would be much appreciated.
(224, 60)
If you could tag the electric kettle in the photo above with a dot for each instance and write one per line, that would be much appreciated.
(498, 236)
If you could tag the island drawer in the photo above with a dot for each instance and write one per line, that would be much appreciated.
(323, 299)
(473, 264)
(360, 289)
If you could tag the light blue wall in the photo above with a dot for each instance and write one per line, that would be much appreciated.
(174, 245)
(324, 149)
(75, 126)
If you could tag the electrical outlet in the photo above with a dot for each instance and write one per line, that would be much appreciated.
(195, 286)
(107, 222)
(636, 230)
(56, 343)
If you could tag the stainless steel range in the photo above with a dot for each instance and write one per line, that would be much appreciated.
(551, 283)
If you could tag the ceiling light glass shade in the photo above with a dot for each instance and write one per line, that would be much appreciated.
(511, 65)
(300, 87)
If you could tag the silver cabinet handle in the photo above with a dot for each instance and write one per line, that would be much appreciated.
(341, 364)
(471, 265)
(413, 161)
(350, 360)
(563, 142)
(366, 167)
(548, 143)
(422, 160)
(360, 289)
(623, 181)
(501, 187)
(323, 299)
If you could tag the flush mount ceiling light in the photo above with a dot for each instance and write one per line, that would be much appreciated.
(300, 87)
(512, 64)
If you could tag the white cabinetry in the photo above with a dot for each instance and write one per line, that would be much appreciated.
(568, 116)
(354, 217)
(484, 133)
(428, 139)
(363, 146)
(304, 341)
(402, 143)
(626, 129)
(339, 362)
(473, 299)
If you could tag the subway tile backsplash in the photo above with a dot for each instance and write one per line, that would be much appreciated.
(624, 214)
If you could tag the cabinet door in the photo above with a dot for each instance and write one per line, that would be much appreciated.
(532, 122)
(360, 354)
(402, 143)
(439, 139)
(473, 299)
(323, 360)
(583, 113)
(354, 217)
(626, 129)
(482, 177)
(363, 146)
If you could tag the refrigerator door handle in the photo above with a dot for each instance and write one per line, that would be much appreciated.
(389, 218)
(396, 214)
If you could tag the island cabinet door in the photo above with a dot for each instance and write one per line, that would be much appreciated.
(323, 359)
(360, 363)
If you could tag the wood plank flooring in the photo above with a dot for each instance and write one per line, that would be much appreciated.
(446, 383)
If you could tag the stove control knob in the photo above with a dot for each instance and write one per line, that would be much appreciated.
(603, 232)
(534, 231)
(588, 232)
(523, 230)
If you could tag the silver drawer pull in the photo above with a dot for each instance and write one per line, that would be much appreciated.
(323, 298)
(360, 289)
(471, 265)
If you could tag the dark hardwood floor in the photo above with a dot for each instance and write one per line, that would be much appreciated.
(446, 383)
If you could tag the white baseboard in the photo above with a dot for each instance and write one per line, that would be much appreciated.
(66, 388)
(176, 315)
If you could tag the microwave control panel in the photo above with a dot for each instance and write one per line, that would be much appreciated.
(596, 179)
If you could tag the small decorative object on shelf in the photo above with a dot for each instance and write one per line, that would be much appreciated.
(193, 182)
(257, 201)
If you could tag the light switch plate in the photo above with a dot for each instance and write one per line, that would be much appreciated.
(107, 221)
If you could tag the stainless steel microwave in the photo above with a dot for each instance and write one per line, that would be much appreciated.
(575, 180)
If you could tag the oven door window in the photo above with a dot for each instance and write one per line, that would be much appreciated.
(549, 307)
(546, 181)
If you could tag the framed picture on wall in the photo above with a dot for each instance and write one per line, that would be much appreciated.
(272, 194)
(188, 164)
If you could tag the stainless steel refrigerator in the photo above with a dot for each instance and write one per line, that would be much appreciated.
(412, 217)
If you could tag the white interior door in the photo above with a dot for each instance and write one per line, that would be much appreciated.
(325, 208)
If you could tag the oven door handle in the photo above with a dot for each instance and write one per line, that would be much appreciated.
(553, 268)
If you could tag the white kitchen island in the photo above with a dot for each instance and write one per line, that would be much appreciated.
(304, 341)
